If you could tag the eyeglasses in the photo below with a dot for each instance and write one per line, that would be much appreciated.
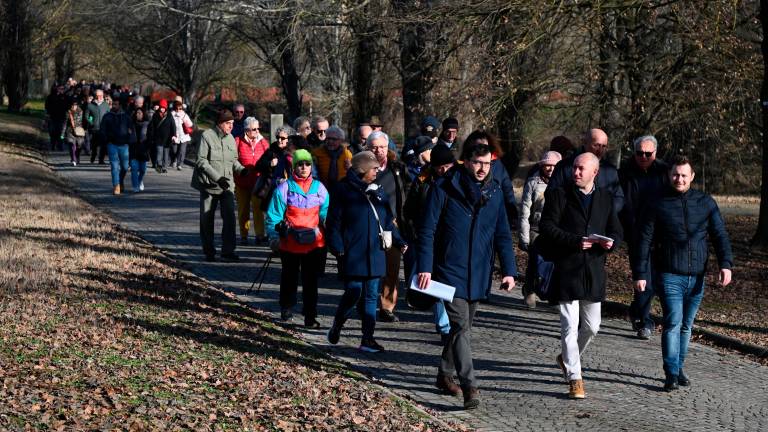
(640, 153)
(478, 163)
(252, 130)
(304, 163)
(239, 112)
(282, 138)
(320, 132)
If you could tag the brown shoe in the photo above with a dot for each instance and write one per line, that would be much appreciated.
(560, 363)
(471, 398)
(576, 389)
(116, 190)
(447, 385)
(530, 300)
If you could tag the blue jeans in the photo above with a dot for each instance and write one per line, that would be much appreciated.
(442, 324)
(680, 299)
(353, 290)
(118, 159)
(138, 170)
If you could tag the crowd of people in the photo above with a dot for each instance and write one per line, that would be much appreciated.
(444, 209)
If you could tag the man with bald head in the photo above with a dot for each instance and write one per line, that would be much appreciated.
(595, 141)
(578, 227)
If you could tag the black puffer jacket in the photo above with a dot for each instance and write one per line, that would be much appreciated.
(674, 230)
(640, 188)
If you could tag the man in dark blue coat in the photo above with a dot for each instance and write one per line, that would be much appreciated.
(642, 179)
(674, 232)
(465, 221)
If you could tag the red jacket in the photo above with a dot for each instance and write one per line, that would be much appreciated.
(248, 155)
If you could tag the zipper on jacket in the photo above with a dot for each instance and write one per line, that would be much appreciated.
(687, 235)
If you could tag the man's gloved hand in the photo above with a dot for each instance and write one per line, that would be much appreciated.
(274, 244)
(244, 172)
(523, 246)
(223, 183)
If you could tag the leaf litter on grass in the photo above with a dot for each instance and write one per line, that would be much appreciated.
(100, 331)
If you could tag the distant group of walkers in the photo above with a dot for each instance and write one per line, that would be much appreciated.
(446, 210)
(110, 121)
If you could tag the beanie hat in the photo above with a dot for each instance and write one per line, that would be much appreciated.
(441, 155)
(163, 103)
(301, 155)
(550, 158)
(417, 146)
(450, 123)
(429, 124)
(225, 115)
(364, 161)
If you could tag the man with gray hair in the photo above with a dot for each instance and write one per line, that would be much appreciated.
(394, 179)
(642, 177)
(578, 227)
(317, 137)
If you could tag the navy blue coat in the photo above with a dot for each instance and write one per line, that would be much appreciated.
(352, 230)
(500, 175)
(459, 235)
(676, 227)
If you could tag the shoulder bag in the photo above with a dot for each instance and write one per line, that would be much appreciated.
(385, 237)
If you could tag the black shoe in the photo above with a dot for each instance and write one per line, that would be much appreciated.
(311, 324)
(210, 258)
(334, 333)
(164, 170)
(158, 168)
(230, 257)
(387, 316)
(471, 398)
(286, 315)
(445, 338)
(683, 379)
(670, 384)
(371, 346)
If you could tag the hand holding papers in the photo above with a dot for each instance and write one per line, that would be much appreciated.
(435, 289)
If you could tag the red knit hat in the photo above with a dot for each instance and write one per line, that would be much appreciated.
(163, 103)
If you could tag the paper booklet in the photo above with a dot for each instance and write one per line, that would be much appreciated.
(597, 237)
(435, 289)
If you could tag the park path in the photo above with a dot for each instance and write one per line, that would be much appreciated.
(514, 348)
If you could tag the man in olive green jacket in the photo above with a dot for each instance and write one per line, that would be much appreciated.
(213, 176)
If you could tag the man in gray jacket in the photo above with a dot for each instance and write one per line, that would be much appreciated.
(213, 176)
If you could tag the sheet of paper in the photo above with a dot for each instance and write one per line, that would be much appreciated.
(435, 289)
(597, 237)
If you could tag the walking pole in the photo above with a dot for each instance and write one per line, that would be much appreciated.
(262, 273)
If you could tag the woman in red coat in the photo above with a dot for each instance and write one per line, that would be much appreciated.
(250, 147)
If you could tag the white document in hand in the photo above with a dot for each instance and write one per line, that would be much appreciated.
(598, 237)
(435, 289)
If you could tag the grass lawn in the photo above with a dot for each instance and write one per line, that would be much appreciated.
(100, 331)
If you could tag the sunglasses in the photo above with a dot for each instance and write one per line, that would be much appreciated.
(303, 163)
(640, 153)
(282, 138)
(320, 132)
(252, 130)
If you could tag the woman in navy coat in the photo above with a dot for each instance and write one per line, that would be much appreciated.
(358, 212)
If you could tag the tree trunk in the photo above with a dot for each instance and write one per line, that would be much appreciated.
(16, 37)
(366, 100)
(289, 81)
(761, 236)
(510, 129)
(64, 62)
(415, 78)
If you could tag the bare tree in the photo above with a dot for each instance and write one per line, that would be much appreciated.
(760, 239)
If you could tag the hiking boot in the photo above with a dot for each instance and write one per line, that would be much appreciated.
(471, 397)
(447, 385)
(559, 360)
(286, 315)
(116, 190)
(311, 324)
(230, 257)
(370, 345)
(682, 379)
(576, 389)
(644, 333)
(671, 384)
(334, 333)
(387, 316)
(530, 300)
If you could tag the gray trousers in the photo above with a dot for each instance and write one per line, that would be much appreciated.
(457, 352)
(208, 204)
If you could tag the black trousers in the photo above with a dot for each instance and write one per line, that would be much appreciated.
(308, 264)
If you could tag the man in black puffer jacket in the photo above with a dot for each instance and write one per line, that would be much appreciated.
(674, 232)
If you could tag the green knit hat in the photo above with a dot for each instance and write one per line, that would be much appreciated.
(301, 155)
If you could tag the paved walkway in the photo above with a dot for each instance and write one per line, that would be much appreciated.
(521, 386)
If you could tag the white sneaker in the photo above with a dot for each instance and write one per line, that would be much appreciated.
(74, 163)
(178, 167)
(173, 165)
(141, 186)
